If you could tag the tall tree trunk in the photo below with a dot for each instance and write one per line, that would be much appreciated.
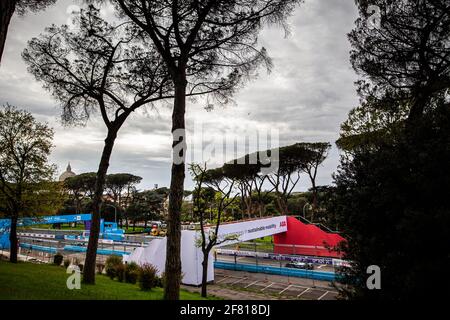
(91, 254)
(261, 209)
(77, 207)
(417, 108)
(173, 259)
(248, 207)
(205, 273)
(13, 239)
(314, 199)
(282, 205)
(7, 8)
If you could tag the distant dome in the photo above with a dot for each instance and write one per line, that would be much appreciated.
(67, 174)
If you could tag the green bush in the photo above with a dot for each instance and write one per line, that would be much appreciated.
(120, 272)
(58, 259)
(66, 263)
(131, 272)
(147, 277)
(161, 280)
(111, 266)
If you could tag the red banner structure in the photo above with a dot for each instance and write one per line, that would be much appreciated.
(306, 239)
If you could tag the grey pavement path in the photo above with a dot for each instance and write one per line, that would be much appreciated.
(238, 285)
(230, 294)
(276, 278)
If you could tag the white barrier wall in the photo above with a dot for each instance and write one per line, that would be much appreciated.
(191, 257)
(191, 254)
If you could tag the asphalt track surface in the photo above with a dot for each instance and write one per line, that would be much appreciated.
(268, 262)
(278, 287)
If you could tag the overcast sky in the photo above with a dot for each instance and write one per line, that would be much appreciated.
(306, 97)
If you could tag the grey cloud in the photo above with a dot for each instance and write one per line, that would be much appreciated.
(307, 96)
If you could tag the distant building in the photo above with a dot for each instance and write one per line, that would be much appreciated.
(67, 174)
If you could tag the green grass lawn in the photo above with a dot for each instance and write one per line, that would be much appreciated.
(266, 240)
(27, 281)
(130, 229)
(79, 227)
(262, 245)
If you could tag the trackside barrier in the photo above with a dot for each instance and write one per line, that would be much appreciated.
(38, 248)
(277, 257)
(99, 251)
(310, 274)
(70, 248)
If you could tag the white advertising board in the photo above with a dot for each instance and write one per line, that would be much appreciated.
(252, 229)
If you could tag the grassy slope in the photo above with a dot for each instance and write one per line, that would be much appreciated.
(33, 281)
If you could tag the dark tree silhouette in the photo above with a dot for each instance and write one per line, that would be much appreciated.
(100, 68)
(369, 126)
(81, 187)
(288, 163)
(262, 195)
(246, 174)
(292, 160)
(208, 45)
(117, 183)
(392, 184)
(392, 203)
(147, 205)
(9, 7)
(405, 63)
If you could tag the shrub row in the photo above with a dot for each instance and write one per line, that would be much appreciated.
(145, 275)
(58, 259)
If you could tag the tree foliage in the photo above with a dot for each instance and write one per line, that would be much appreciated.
(279, 168)
(390, 197)
(9, 7)
(100, 68)
(318, 152)
(27, 6)
(292, 161)
(81, 185)
(147, 205)
(212, 45)
(405, 62)
(25, 174)
(117, 183)
(369, 126)
(392, 206)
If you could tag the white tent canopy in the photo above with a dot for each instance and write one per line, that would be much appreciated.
(191, 254)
